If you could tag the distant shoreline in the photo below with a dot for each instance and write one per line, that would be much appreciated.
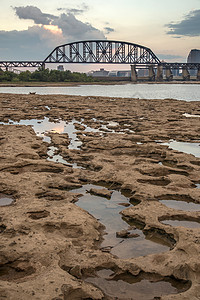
(68, 84)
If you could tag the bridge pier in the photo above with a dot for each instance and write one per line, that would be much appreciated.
(43, 66)
(151, 74)
(169, 75)
(198, 74)
(159, 75)
(133, 73)
(185, 73)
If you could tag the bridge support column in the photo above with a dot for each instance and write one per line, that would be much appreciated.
(185, 73)
(151, 74)
(198, 74)
(159, 75)
(169, 75)
(133, 73)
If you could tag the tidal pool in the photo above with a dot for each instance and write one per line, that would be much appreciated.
(182, 205)
(142, 287)
(107, 211)
(5, 200)
(189, 148)
(183, 223)
(191, 116)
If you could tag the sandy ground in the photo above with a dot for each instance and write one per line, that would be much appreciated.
(48, 243)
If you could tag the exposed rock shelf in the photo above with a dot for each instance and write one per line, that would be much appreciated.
(49, 245)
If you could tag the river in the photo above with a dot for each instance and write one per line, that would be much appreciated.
(186, 92)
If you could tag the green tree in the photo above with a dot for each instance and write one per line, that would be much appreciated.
(24, 76)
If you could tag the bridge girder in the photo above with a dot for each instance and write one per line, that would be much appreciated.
(102, 51)
(25, 64)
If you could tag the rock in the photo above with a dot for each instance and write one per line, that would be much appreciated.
(36, 242)
(126, 234)
(101, 192)
(124, 204)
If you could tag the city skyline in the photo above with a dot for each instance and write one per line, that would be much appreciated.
(29, 30)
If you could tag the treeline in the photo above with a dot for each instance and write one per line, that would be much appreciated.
(44, 75)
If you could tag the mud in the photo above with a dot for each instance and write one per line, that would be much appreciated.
(50, 245)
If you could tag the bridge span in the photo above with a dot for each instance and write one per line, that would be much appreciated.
(111, 52)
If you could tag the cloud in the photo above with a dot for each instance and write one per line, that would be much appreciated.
(108, 30)
(189, 26)
(75, 11)
(169, 57)
(36, 42)
(33, 13)
(73, 29)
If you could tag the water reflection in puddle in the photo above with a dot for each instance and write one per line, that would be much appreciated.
(182, 205)
(58, 158)
(142, 287)
(190, 148)
(187, 224)
(44, 126)
(191, 116)
(108, 213)
(5, 200)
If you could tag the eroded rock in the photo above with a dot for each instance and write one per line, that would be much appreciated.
(47, 242)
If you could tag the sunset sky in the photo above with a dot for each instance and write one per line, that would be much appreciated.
(29, 30)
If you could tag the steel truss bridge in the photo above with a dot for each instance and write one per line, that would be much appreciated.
(100, 52)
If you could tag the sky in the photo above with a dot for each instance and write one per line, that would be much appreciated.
(30, 30)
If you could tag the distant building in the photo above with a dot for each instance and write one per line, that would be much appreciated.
(143, 72)
(120, 73)
(101, 72)
(60, 68)
(114, 73)
(124, 73)
(194, 56)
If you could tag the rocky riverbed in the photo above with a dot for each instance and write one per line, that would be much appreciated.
(53, 146)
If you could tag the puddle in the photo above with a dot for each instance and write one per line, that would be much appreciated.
(189, 148)
(107, 211)
(142, 287)
(44, 126)
(55, 157)
(198, 185)
(113, 124)
(5, 200)
(182, 205)
(187, 224)
(59, 159)
(191, 116)
(111, 127)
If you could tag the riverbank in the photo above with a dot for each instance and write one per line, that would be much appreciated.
(49, 245)
(66, 84)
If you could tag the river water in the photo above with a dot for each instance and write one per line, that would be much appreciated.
(186, 92)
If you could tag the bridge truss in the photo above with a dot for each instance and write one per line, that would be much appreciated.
(20, 64)
(102, 52)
